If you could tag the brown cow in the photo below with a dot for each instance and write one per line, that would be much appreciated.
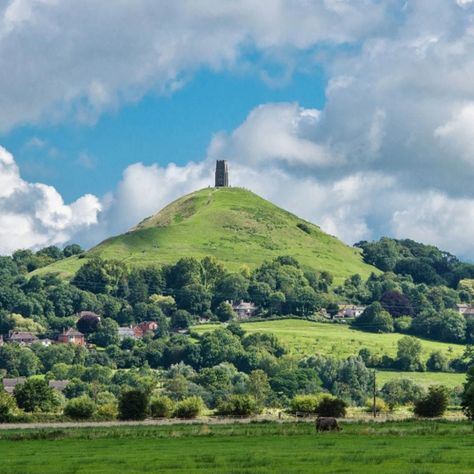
(326, 424)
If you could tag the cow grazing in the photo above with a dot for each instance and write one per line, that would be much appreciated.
(326, 424)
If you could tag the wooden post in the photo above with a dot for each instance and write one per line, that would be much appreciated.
(374, 408)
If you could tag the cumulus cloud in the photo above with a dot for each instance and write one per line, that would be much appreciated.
(81, 57)
(35, 215)
(391, 152)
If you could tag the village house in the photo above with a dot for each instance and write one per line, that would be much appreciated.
(244, 309)
(9, 384)
(349, 311)
(466, 310)
(24, 338)
(71, 336)
(58, 385)
(127, 331)
(147, 326)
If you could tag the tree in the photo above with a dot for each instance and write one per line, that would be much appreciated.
(225, 312)
(434, 404)
(8, 407)
(401, 392)
(374, 319)
(408, 353)
(194, 298)
(258, 386)
(467, 398)
(437, 362)
(106, 333)
(72, 249)
(331, 406)
(232, 287)
(88, 323)
(80, 408)
(452, 326)
(133, 405)
(35, 395)
(181, 319)
(396, 303)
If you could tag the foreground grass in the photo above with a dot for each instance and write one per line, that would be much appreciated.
(408, 447)
(309, 338)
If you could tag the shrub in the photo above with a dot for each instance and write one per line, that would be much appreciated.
(80, 408)
(434, 403)
(239, 405)
(162, 407)
(107, 411)
(331, 406)
(380, 405)
(8, 407)
(305, 404)
(190, 407)
(133, 405)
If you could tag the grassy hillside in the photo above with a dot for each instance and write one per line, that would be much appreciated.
(308, 338)
(232, 224)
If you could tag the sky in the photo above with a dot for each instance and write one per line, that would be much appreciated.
(357, 115)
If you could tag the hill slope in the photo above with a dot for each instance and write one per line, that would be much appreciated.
(234, 225)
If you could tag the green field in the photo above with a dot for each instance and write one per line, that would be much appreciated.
(309, 338)
(397, 447)
(234, 225)
(424, 379)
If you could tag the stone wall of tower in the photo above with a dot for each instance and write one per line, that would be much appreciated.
(222, 174)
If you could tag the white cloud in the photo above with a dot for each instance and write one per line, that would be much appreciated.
(34, 215)
(81, 57)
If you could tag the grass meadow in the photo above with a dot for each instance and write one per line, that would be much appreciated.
(305, 338)
(415, 447)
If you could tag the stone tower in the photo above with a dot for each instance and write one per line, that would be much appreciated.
(222, 174)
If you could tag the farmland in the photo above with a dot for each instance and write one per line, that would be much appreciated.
(394, 447)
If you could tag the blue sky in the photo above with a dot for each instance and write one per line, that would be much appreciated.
(354, 114)
(175, 128)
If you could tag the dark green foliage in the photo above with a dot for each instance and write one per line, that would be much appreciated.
(133, 405)
(331, 406)
(396, 303)
(374, 319)
(434, 404)
(35, 395)
(467, 398)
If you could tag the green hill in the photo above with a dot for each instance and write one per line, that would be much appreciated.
(234, 225)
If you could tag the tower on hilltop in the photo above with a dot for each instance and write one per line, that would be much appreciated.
(222, 174)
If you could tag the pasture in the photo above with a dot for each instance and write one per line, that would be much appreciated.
(393, 447)
(304, 338)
